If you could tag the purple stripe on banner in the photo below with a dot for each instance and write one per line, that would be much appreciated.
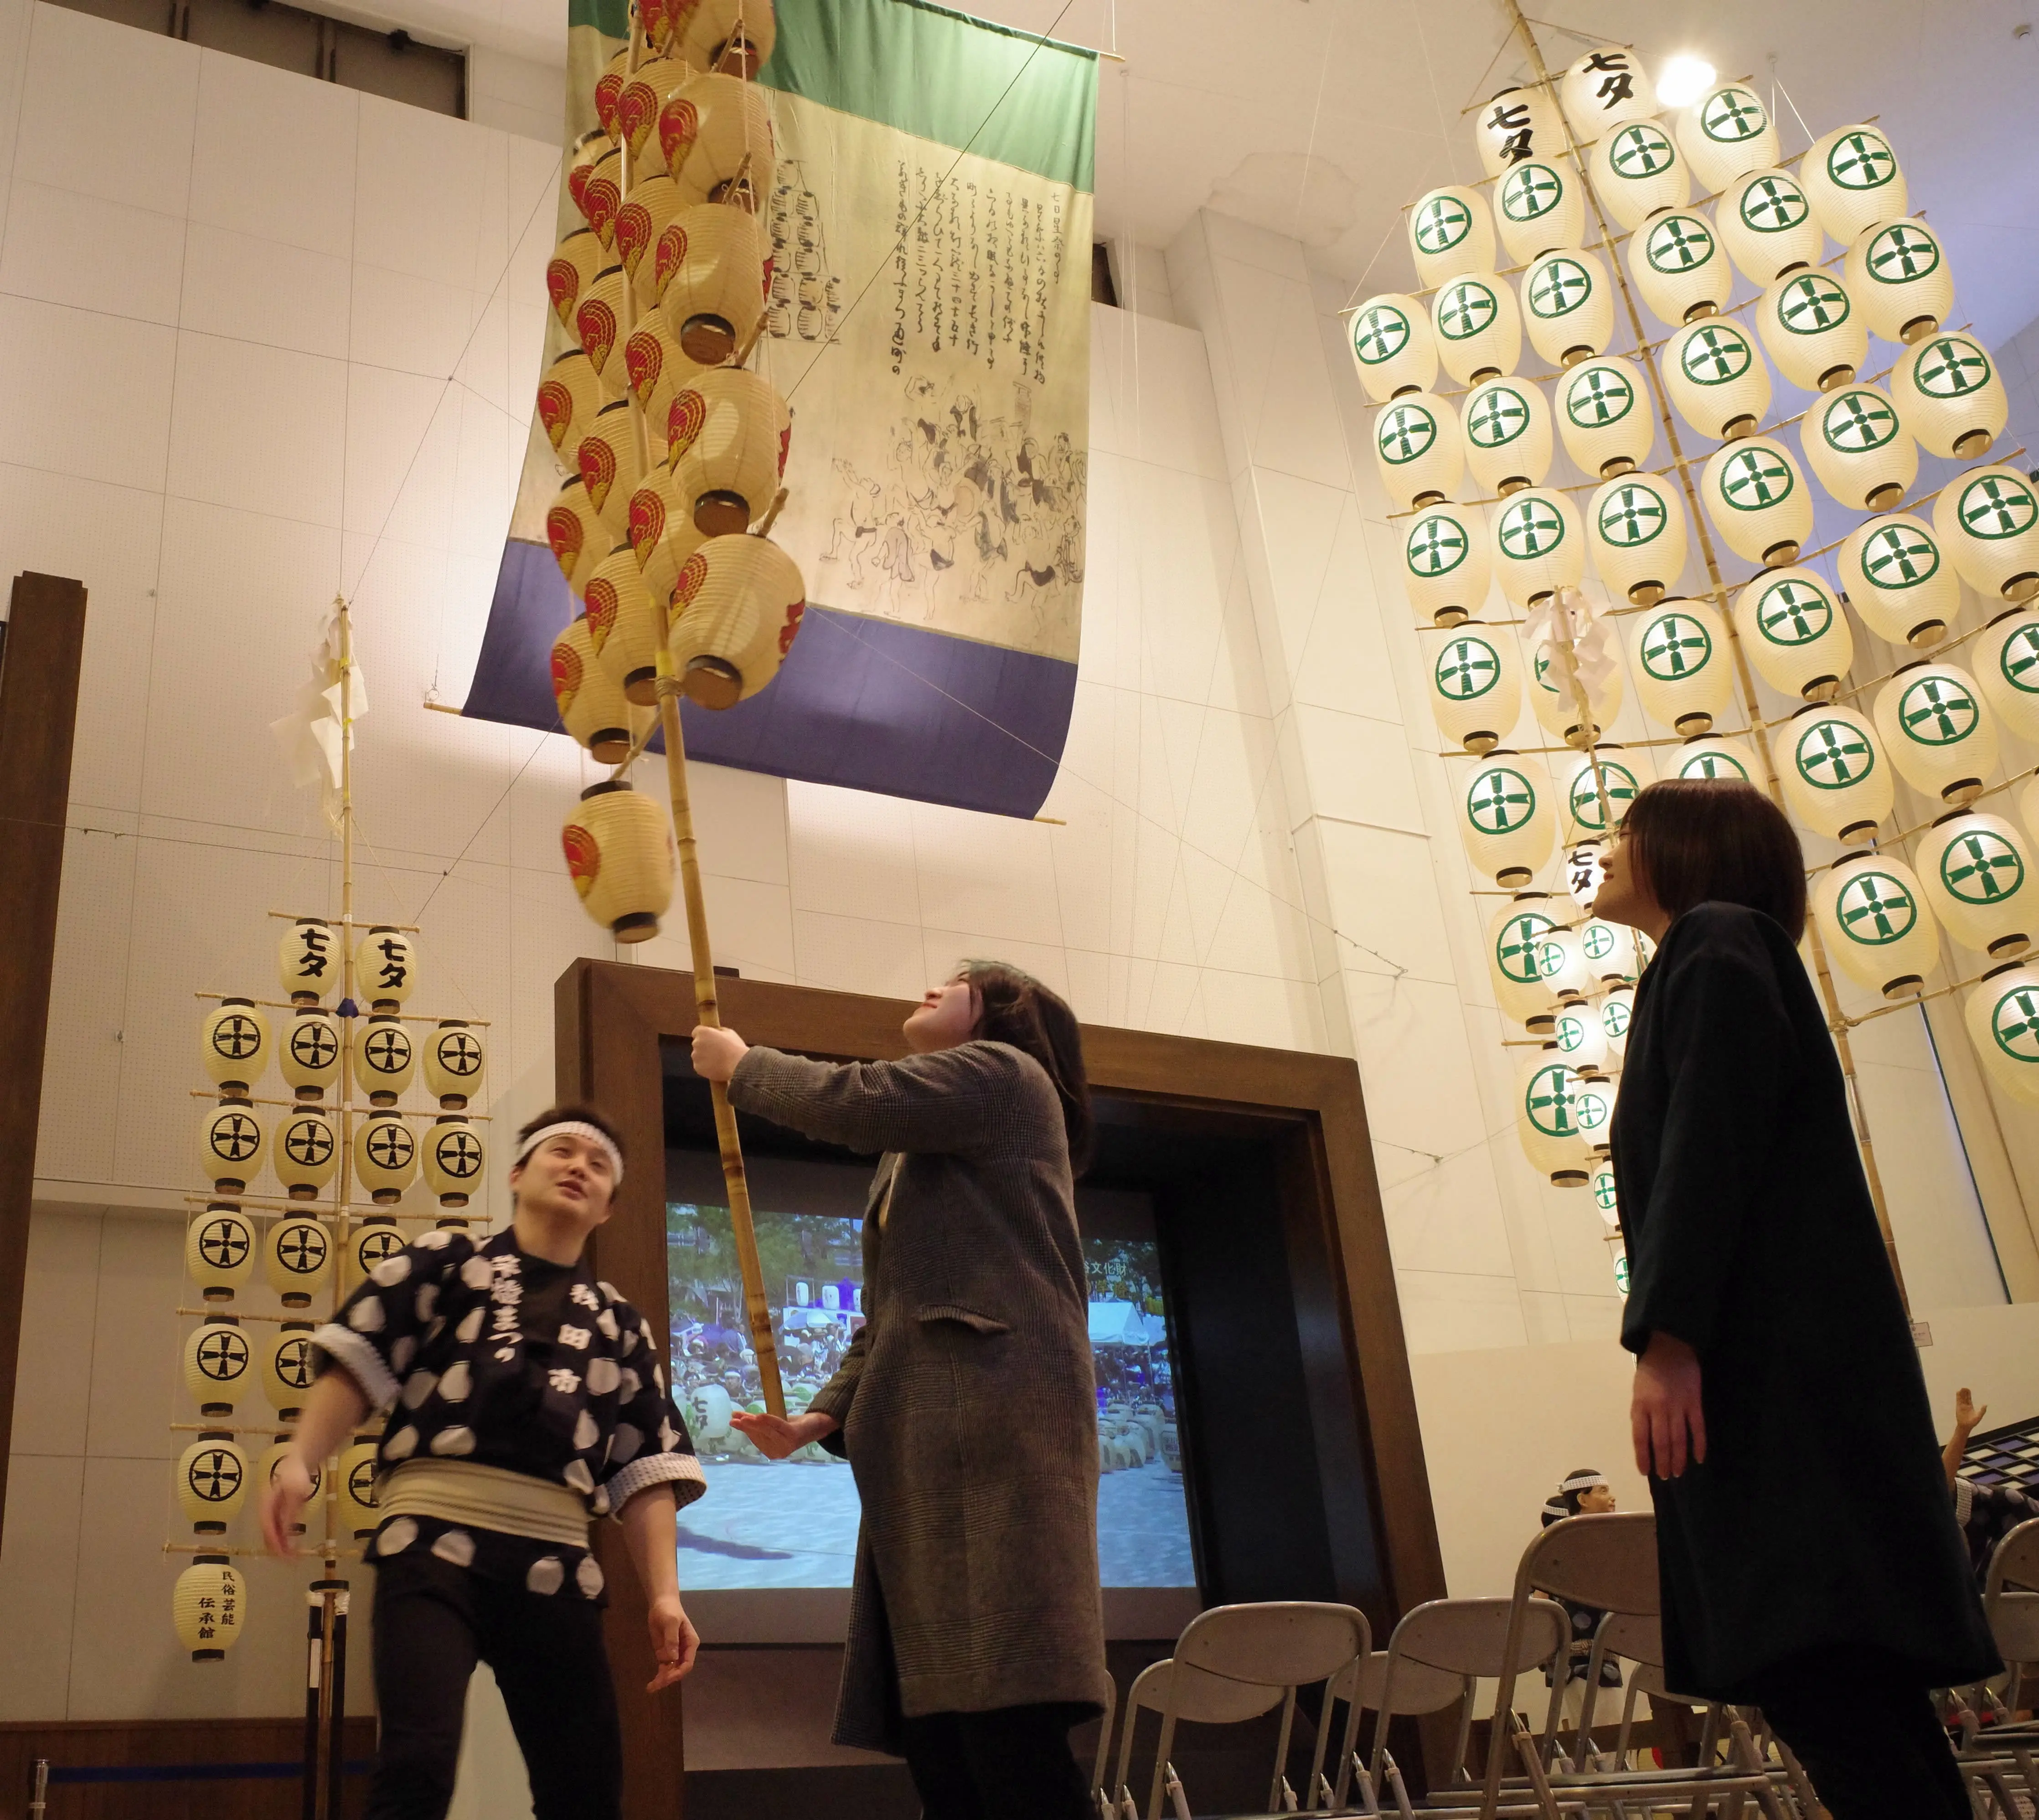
(864, 703)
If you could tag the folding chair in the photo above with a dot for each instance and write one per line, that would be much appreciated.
(1100, 1793)
(1994, 1763)
(1199, 1697)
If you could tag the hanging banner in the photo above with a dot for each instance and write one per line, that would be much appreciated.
(929, 323)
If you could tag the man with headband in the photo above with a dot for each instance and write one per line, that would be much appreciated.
(523, 1398)
(1582, 1493)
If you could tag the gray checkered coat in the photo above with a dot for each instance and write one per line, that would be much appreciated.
(967, 1400)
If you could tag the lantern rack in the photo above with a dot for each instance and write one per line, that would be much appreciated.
(341, 1554)
(319, 1105)
(345, 922)
(401, 1017)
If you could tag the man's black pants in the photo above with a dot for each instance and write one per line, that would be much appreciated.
(1012, 1763)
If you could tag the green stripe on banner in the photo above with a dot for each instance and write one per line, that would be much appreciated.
(941, 76)
(610, 17)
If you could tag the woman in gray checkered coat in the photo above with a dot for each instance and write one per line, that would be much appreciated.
(966, 1403)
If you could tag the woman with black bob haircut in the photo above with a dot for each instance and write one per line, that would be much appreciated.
(1806, 1545)
(966, 1403)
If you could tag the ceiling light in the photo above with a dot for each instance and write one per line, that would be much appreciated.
(1683, 81)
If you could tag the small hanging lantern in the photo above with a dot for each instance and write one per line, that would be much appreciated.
(1716, 378)
(598, 318)
(1873, 919)
(1836, 777)
(662, 535)
(376, 1239)
(234, 1042)
(1758, 500)
(1507, 428)
(309, 1057)
(619, 853)
(1637, 172)
(626, 626)
(738, 605)
(1853, 181)
(731, 34)
(571, 270)
(1766, 226)
(1794, 632)
(1859, 449)
(592, 707)
(1547, 1122)
(1450, 231)
(2007, 667)
(1600, 1186)
(1604, 89)
(609, 92)
(1605, 417)
(1932, 721)
(659, 370)
(569, 395)
(601, 195)
(1478, 325)
(220, 1367)
(297, 1257)
(1517, 125)
(1421, 450)
(589, 150)
(455, 1158)
(219, 1250)
(715, 133)
(1568, 306)
(1586, 819)
(1725, 135)
(230, 1142)
(208, 1607)
(1557, 709)
(1393, 347)
(1715, 759)
(1562, 967)
(1617, 1012)
(575, 531)
(386, 968)
(1580, 1041)
(1476, 687)
(287, 1368)
(1978, 874)
(711, 269)
(1636, 524)
(1987, 520)
(1680, 267)
(385, 1059)
(212, 1482)
(728, 435)
(1950, 394)
(307, 959)
(1895, 578)
(1610, 952)
(1539, 545)
(1897, 273)
(1592, 1108)
(1446, 569)
(1542, 208)
(2002, 1017)
(1685, 674)
(454, 1055)
(356, 1467)
(611, 467)
(1507, 818)
(265, 1474)
(638, 104)
(1514, 939)
(1810, 324)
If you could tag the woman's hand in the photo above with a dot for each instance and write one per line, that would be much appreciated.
(776, 1436)
(674, 1641)
(1665, 1408)
(283, 1499)
(1968, 1418)
(717, 1051)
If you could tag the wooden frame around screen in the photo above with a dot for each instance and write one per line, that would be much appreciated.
(610, 1021)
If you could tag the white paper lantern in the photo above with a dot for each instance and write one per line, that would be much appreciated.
(219, 1250)
(455, 1055)
(1420, 448)
(1592, 1107)
(310, 1055)
(1766, 224)
(1610, 951)
(307, 959)
(710, 270)
(1507, 817)
(376, 1240)
(386, 968)
(356, 1467)
(1547, 1123)
(306, 1152)
(1716, 378)
(1617, 1012)
(1555, 705)
(386, 1156)
(1636, 524)
(219, 1365)
(1586, 871)
(1562, 967)
(1516, 126)
(1506, 424)
(1580, 1041)
(234, 1044)
(1897, 579)
(2007, 667)
(1874, 922)
(1987, 520)
(1795, 633)
(1758, 500)
(1477, 326)
(1581, 779)
(1605, 417)
(1637, 171)
(1979, 877)
(1539, 545)
(208, 1606)
(1812, 330)
(1834, 772)
(1726, 135)
(1541, 207)
(1604, 89)
(385, 1059)
(231, 1138)
(212, 1482)
(1446, 564)
(1568, 306)
(1600, 1186)
(1853, 181)
(1680, 269)
(716, 134)
(1684, 672)
(1514, 939)
(455, 1159)
(626, 625)
(1476, 686)
(1898, 274)
(288, 1368)
(265, 1474)
(297, 1257)
(2002, 1018)
(1933, 723)
(727, 435)
(1859, 448)
(1951, 395)
(1393, 347)
(1450, 231)
(1713, 759)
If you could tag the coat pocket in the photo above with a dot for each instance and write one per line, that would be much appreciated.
(970, 1318)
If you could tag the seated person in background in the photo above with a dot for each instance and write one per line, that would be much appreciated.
(1583, 1492)
(1987, 1514)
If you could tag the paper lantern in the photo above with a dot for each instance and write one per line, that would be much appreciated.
(715, 132)
(626, 626)
(1568, 306)
(234, 1042)
(1636, 524)
(1794, 632)
(710, 269)
(1562, 967)
(601, 195)
(1859, 449)
(1394, 349)
(2002, 1017)
(1932, 721)
(2028, 808)
(1556, 707)
(1726, 135)
(386, 968)
(230, 1142)
(374, 1241)
(1758, 500)
(219, 1366)
(1599, 1184)
(1987, 520)
(589, 150)
(1895, 577)
(279, 1451)
(1853, 181)
(1446, 567)
(592, 705)
(1604, 89)
(569, 396)
(2007, 667)
(739, 602)
(570, 271)
(1541, 208)
(598, 317)
(1617, 1012)
(733, 35)
(1610, 951)
(212, 1482)
(1898, 274)
(308, 1057)
(1716, 378)
(1478, 325)
(219, 1250)
(1539, 545)
(1450, 231)
(1834, 776)
(297, 1257)
(1810, 324)
(1636, 171)
(1715, 759)
(619, 853)
(208, 1607)
(288, 1368)
(1507, 428)
(638, 103)
(609, 92)
(1476, 687)
(454, 1055)
(612, 464)
(1979, 877)
(575, 531)
(1604, 416)
(1514, 938)
(356, 1468)
(1581, 779)
(1593, 1110)
(307, 959)
(385, 1059)
(1518, 125)
(1507, 817)
(1680, 269)
(727, 436)
(1684, 672)
(454, 1157)
(1420, 448)
(662, 535)
(1874, 922)
(1767, 225)
(1546, 1121)
(386, 1156)
(649, 212)
(1951, 395)
(1581, 1042)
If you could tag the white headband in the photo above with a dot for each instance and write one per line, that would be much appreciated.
(1582, 1482)
(572, 1127)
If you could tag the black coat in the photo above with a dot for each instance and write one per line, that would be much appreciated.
(1821, 1517)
